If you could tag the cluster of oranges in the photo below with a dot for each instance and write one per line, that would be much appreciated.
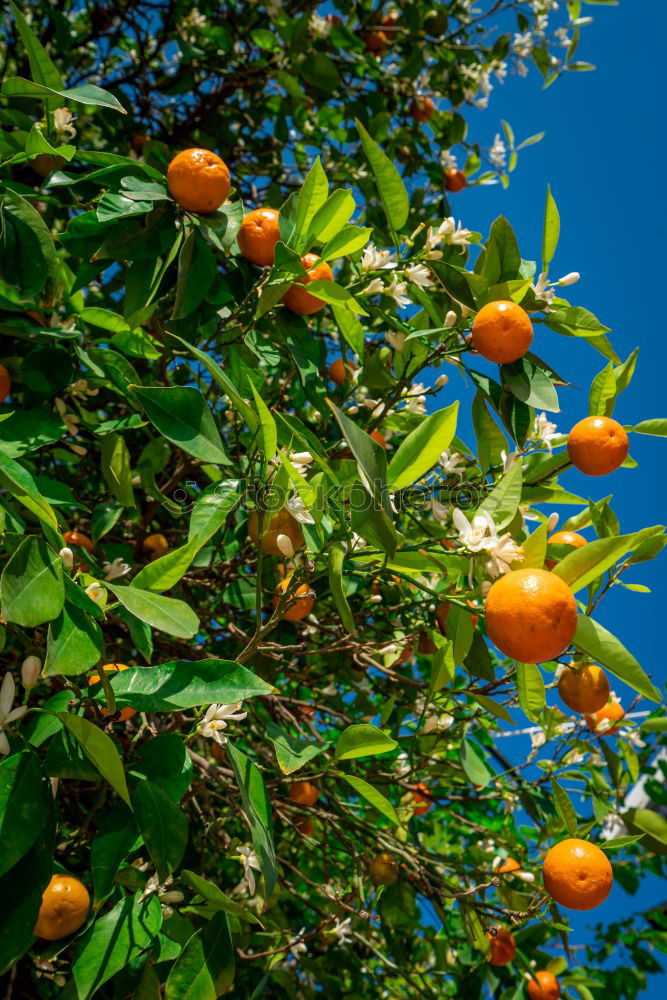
(199, 181)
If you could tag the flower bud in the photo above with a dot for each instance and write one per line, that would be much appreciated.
(284, 543)
(301, 457)
(441, 381)
(67, 557)
(31, 668)
(570, 279)
(450, 318)
(171, 896)
(553, 521)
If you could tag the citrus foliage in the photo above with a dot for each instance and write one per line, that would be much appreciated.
(245, 595)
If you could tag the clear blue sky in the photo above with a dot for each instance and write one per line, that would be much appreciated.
(603, 155)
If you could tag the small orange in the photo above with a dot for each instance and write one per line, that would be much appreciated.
(155, 545)
(296, 298)
(577, 874)
(597, 445)
(198, 180)
(304, 793)
(422, 799)
(455, 180)
(421, 109)
(281, 523)
(379, 438)
(45, 163)
(303, 600)
(442, 611)
(64, 908)
(306, 827)
(546, 987)
(502, 331)
(78, 538)
(383, 869)
(341, 372)
(503, 947)
(508, 866)
(531, 615)
(258, 236)
(611, 712)
(128, 711)
(571, 538)
(5, 384)
(584, 687)
(378, 41)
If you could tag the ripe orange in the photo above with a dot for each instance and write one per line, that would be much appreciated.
(502, 331)
(571, 538)
(508, 866)
(584, 687)
(281, 523)
(304, 793)
(78, 538)
(423, 800)
(377, 41)
(577, 874)
(65, 905)
(503, 947)
(383, 869)
(306, 827)
(125, 713)
(258, 236)
(155, 545)
(379, 438)
(5, 384)
(198, 180)
(531, 615)
(45, 163)
(340, 372)
(455, 180)
(296, 298)
(442, 611)
(421, 109)
(597, 445)
(302, 599)
(612, 711)
(546, 987)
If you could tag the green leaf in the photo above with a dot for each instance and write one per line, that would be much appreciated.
(31, 586)
(619, 842)
(602, 393)
(503, 501)
(257, 807)
(116, 837)
(166, 761)
(655, 426)
(363, 740)
(113, 941)
(604, 648)
(564, 807)
(205, 968)
(183, 684)
(21, 485)
(331, 216)
(350, 328)
(165, 572)
(592, 560)
(390, 185)
(293, 753)
(115, 458)
(42, 69)
(211, 510)
(346, 242)
(370, 456)
(336, 560)
(312, 197)
(474, 765)
(162, 825)
(74, 643)
(23, 885)
(100, 750)
(535, 548)
(197, 270)
(24, 808)
(223, 381)
(35, 241)
(491, 441)
(182, 415)
(530, 686)
(88, 93)
(531, 384)
(422, 447)
(216, 897)
(372, 795)
(164, 613)
(550, 230)
(493, 707)
(269, 434)
(105, 516)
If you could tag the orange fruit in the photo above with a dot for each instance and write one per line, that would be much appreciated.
(340, 372)
(584, 687)
(304, 793)
(546, 987)
(571, 538)
(198, 180)
(258, 236)
(78, 538)
(503, 947)
(422, 799)
(296, 298)
(306, 827)
(45, 163)
(442, 611)
(125, 713)
(383, 869)
(155, 545)
(378, 41)
(507, 866)
(613, 711)
(421, 109)
(379, 438)
(281, 523)
(5, 384)
(64, 908)
(531, 615)
(455, 180)
(597, 445)
(502, 331)
(302, 601)
(577, 874)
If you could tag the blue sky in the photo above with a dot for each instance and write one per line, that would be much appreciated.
(603, 156)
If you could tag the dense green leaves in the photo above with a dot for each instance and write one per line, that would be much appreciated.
(100, 750)
(31, 585)
(421, 449)
(162, 825)
(205, 969)
(181, 414)
(257, 808)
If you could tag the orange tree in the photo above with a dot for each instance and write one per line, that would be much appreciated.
(264, 612)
